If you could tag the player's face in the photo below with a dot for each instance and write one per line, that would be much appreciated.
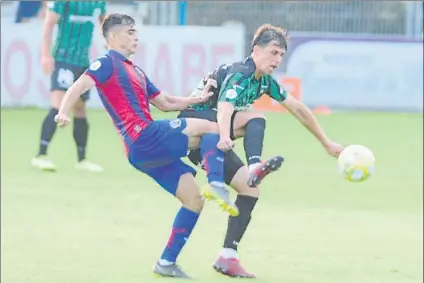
(127, 38)
(270, 57)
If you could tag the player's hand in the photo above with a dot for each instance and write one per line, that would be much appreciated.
(207, 90)
(62, 120)
(47, 64)
(333, 148)
(225, 144)
(200, 99)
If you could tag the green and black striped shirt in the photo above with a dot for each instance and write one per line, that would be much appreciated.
(238, 85)
(75, 29)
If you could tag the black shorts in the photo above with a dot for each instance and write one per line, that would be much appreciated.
(64, 75)
(232, 163)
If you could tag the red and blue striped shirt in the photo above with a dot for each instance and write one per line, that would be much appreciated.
(125, 91)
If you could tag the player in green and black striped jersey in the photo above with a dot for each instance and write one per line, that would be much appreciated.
(65, 61)
(237, 87)
(238, 84)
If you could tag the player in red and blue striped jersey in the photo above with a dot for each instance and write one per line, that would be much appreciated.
(153, 147)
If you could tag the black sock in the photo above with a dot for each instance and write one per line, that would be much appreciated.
(238, 225)
(81, 136)
(254, 139)
(48, 129)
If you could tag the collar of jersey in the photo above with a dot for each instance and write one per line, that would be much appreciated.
(119, 56)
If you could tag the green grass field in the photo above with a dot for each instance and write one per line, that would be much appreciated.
(310, 225)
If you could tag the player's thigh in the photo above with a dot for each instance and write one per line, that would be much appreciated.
(170, 177)
(209, 114)
(241, 119)
(198, 127)
(200, 122)
(161, 142)
(56, 97)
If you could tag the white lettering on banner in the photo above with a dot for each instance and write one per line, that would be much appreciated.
(383, 75)
(175, 58)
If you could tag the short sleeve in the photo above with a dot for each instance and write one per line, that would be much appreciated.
(276, 91)
(152, 90)
(100, 70)
(231, 88)
(57, 6)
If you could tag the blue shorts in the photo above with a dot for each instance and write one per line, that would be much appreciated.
(158, 152)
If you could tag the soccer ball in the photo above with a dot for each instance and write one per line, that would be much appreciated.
(356, 163)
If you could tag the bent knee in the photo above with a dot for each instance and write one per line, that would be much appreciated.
(80, 110)
(247, 191)
(257, 115)
(193, 202)
(56, 98)
(239, 183)
(243, 118)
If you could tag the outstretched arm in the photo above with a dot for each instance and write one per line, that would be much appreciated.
(304, 115)
(174, 103)
(308, 119)
(168, 103)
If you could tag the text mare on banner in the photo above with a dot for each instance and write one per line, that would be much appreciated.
(174, 57)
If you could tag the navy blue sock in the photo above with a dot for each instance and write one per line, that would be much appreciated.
(213, 158)
(181, 229)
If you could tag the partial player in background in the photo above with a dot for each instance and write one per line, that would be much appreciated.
(153, 147)
(238, 86)
(65, 62)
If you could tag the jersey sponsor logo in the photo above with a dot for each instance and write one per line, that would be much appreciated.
(95, 65)
(231, 94)
(175, 123)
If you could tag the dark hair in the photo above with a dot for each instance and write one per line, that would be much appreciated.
(267, 33)
(114, 20)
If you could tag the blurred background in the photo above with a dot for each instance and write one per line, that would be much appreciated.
(342, 54)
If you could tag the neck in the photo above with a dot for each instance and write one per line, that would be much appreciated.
(120, 50)
(258, 73)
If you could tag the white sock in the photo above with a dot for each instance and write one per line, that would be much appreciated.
(228, 253)
(252, 167)
(165, 262)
